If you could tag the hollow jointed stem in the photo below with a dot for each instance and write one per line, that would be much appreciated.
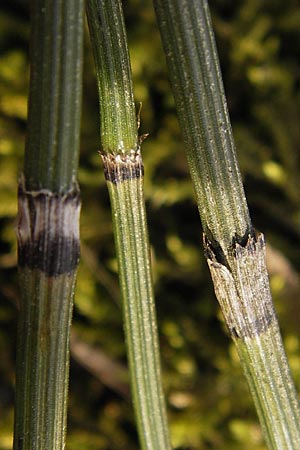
(123, 169)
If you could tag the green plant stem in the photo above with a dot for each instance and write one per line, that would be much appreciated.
(48, 246)
(118, 124)
(131, 237)
(199, 95)
(48, 225)
(51, 153)
(123, 170)
(235, 254)
(245, 299)
(279, 409)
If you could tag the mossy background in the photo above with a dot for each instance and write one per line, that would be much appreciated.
(208, 400)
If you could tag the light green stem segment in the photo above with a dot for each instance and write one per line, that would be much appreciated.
(52, 144)
(195, 76)
(272, 388)
(131, 237)
(123, 170)
(117, 110)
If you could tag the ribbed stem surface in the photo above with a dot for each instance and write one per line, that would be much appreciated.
(236, 256)
(51, 156)
(242, 289)
(272, 388)
(131, 236)
(199, 95)
(118, 123)
(48, 252)
(48, 225)
(123, 170)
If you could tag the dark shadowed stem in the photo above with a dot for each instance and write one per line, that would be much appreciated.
(48, 225)
(52, 145)
(123, 170)
(235, 254)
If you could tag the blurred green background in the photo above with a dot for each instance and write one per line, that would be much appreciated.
(208, 401)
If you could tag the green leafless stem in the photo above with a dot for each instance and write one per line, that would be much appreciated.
(235, 254)
(123, 170)
(52, 145)
(48, 225)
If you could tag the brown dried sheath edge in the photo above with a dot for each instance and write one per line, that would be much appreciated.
(48, 230)
(122, 167)
(242, 288)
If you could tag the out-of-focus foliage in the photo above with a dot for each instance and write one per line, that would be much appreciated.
(208, 401)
